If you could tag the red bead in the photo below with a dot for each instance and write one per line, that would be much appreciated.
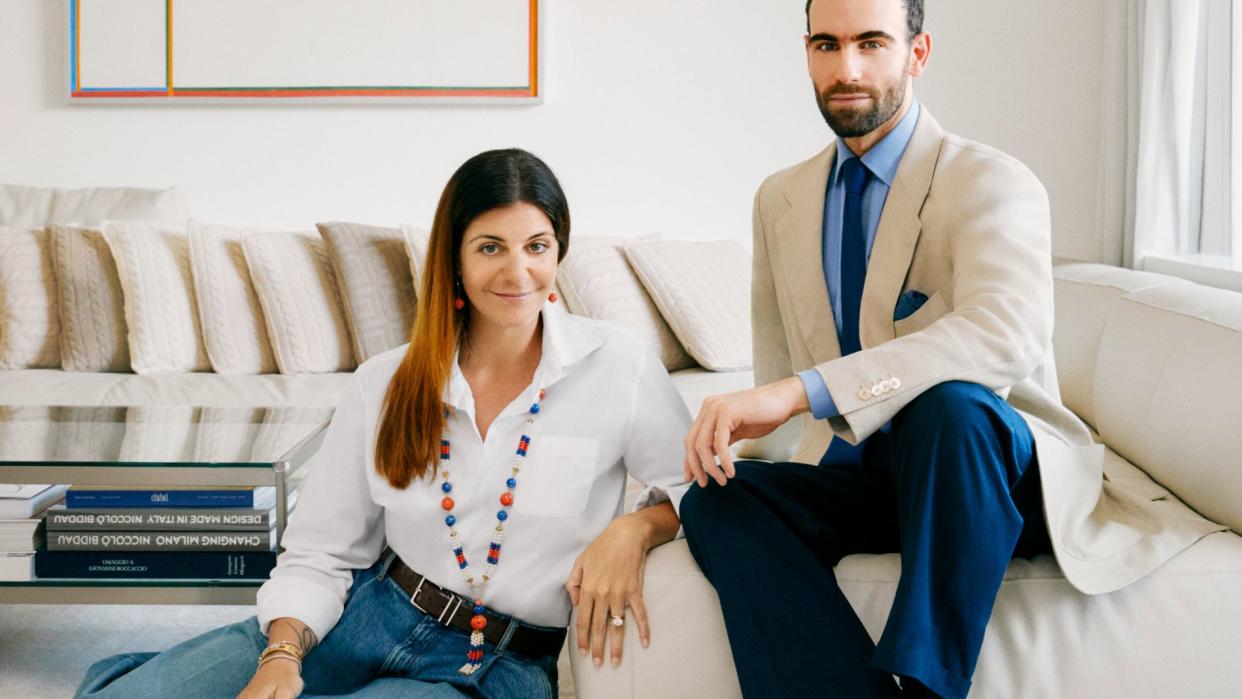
(477, 622)
(459, 304)
(506, 499)
(447, 503)
(552, 297)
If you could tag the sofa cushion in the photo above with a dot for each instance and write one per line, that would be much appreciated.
(596, 281)
(29, 317)
(234, 332)
(301, 306)
(416, 242)
(39, 206)
(34, 387)
(153, 263)
(703, 291)
(90, 301)
(1085, 295)
(1169, 367)
(374, 278)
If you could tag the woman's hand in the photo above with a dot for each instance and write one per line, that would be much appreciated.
(608, 576)
(277, 679)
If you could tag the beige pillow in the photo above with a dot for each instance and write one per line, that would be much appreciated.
(703, 290)
(596, 281)
(301, 307)
(228, 306)
(90, 301)
(153, 262)
(38, 206)
(375, 279)
(29, 318)
(417, 240)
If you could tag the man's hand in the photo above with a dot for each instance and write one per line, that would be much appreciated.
(731, 417)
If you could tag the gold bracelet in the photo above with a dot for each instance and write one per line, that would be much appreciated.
(286, 646)
(280, 655)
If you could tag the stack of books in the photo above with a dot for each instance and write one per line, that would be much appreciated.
(221, 533)
(21, 530)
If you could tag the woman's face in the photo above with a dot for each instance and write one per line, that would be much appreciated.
(508, 265)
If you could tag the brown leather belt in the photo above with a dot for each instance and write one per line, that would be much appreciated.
(452, 609)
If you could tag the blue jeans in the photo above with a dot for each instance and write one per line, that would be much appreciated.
(382, 647)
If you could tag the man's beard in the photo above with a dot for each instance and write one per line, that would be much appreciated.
(851, 123)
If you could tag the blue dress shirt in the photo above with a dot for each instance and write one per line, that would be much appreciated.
(882, 160)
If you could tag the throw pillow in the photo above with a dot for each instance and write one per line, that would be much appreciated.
(703, 290)
(153, 262)
(29, 318)
(90, 301)
(375, 279)
(301, 307)
(416, 243)
(228, 306)
(39, 206)
(597, 281)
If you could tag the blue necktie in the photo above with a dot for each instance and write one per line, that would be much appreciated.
(853, 274)
(853, 253)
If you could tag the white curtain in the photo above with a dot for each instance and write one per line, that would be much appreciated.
(1165, 184)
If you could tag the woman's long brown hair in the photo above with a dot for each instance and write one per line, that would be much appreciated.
(408, 444)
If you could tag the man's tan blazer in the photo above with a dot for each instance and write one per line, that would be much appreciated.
(969, 227)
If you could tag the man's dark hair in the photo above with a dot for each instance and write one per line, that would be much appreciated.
(914, 18)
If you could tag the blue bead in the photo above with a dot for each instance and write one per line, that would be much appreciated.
(446, 486)
(479, 609)
(512, 482)
(450, 520)
(502, 515)
(534, 408)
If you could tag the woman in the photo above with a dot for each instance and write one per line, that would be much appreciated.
(506, 425)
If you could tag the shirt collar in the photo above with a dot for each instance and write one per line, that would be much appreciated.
(564, 343)
(884, 157)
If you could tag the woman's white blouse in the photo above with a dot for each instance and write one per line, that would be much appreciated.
(610, 408)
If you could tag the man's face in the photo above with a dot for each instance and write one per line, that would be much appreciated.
(860, 62)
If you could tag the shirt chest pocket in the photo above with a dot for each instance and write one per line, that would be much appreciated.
(557, 477)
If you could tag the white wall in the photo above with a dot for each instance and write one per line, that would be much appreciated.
(658, 116)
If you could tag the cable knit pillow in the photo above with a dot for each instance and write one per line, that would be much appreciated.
(417, 241)
(596, 281)
(90, 301)
(703, 290)
(228, 307)
(297, 291)
(153, 262)
(29, 320)
(375, 280)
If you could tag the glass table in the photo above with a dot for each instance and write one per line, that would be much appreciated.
(155, 447)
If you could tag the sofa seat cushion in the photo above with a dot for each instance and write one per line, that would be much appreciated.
(698, 383)
(56, 387)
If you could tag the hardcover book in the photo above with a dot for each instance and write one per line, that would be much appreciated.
(79, 497)
(159, 541)
(202, 565)
(62, 518)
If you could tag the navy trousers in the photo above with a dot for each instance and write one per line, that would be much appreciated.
(953, 487)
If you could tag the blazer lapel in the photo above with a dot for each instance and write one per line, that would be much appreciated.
(800, 241)
(898, 232)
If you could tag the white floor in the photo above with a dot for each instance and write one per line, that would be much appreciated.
(45, 649)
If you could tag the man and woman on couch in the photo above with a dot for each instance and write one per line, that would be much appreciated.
(902, 315)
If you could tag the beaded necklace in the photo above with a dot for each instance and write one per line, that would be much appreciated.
(474, 656)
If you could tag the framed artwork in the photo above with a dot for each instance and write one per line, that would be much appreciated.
(355, 51)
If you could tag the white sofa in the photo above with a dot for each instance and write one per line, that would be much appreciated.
(1154, 365)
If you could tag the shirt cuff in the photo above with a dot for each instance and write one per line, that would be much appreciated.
(656, 494)
(822, 405)
(308, 602)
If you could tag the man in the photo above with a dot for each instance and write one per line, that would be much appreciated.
(903, 298)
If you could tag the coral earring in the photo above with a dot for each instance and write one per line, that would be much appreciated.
(552, 297)
(459, 304)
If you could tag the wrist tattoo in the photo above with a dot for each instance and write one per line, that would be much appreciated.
(303, 637)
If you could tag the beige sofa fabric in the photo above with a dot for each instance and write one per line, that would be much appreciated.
(417, 241)
(297, 290)
(39, 206)
(89, 296)
(234, 332)
(703, 291)
(29, 317)
(375, 279)
(596, 281)
(153, 263)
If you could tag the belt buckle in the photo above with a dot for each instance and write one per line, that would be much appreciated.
(454, 602)
(418, 588)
